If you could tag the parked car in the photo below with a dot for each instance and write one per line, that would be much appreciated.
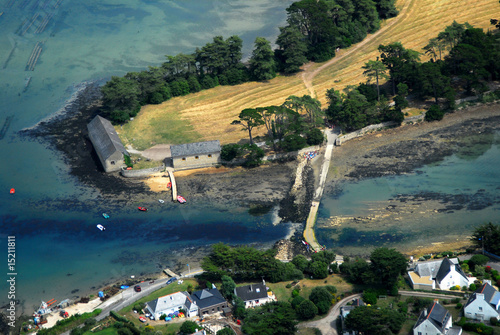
(171, 280)
(137, 288)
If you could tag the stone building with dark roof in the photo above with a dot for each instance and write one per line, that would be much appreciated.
(208, 301)
(195, 155)
(435, 320)
(107, 144)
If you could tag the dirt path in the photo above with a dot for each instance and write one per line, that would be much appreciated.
(308, 74)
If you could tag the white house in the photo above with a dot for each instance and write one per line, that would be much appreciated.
(441, 274)
(435, 320)
(253, 294)
(172, 303)
(483, 304)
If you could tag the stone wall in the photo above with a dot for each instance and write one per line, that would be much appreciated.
(142, 172)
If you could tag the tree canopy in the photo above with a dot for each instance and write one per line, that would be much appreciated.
(372, 320)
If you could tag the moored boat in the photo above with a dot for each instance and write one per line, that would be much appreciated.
(104, 215)
(101, 227)
(161, 201)
(143, 209)
(181, 199)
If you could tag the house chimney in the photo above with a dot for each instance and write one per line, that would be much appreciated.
(480, 296)
(425, 311)
(263, 281)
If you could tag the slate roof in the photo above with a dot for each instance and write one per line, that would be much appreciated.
(169, 301)
(430, 269)
(444, 269)
(436, 314)
(491, 295)
(104, 137)
(197, 148)
(207, 297)
(252, 292)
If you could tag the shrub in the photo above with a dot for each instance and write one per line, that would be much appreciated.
(493, 321)
(306, 310)
(458, 306)
(288, 286)
(434, 114)
(472, 287)
(295, 293)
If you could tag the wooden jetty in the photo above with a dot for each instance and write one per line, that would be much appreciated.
(28, 26)
(5, 126)
(37, 50)
(43, 24)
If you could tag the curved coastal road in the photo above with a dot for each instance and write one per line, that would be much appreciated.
(328, 325)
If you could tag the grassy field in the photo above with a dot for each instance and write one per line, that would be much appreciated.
(208, 115)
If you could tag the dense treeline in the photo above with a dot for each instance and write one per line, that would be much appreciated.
(473, 59)
(246, 263)
(314, 30)
(487, 236)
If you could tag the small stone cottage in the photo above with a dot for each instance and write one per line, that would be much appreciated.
(107, 144)
(195, 155)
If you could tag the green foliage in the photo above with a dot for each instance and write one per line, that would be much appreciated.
(479, 328)
(458, 306)
(297, 301)
(476, 260)
(300, 262)
(72, 322)
(434, 113)
(472, 287)
(293, 49)
(239, 310)
(118, 317)
(315, 137)
(189, 327)
(128, 161)
(487, 235)
(370, 297)
(227, 288)
(272, 318)
(293, 142)
(262, 64)
(373, 320)
(318, 269)
(322, 298)
(230, 151)
(387, 265)
(254, 155)
(225, 331)
(306, 310)
(250, 118)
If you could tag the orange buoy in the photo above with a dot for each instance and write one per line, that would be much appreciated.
(12, 191)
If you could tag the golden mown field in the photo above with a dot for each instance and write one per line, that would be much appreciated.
(207, 115)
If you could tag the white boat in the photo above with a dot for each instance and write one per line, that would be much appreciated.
(101, 227)
(161, 201)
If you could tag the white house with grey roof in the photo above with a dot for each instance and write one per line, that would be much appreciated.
(254, 294)
(483, 304)
(195, 155)
(107, 144)
(172, 303)
(441, 274)
(435, 320)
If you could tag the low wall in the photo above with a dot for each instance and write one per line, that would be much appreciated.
(375, 127)
(142, 172)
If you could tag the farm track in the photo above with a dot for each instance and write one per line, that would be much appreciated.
(207, 115)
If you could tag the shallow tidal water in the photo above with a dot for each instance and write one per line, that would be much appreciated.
(59, 251)
(435, 204)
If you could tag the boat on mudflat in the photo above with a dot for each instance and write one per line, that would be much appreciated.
(161, 201)
(181, 199)
(101, 227)
(143, 209)
(104, 215)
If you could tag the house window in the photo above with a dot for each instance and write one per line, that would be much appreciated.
(196, 157)
(183, 158)
(112, 162)
(210, 156)
(480, 308)
(419, 333)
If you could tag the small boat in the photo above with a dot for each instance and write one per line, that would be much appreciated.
(104, 215)
(12, 190)
(101, 227)
(161, 201)
(181, 199)
(143, 209)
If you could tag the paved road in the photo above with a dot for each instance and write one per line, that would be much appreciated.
(428, 295)
(328, 325)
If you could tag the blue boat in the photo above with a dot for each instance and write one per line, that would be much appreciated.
(106, 216)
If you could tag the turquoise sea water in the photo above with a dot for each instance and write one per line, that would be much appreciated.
(60, 250)
(437, 203)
